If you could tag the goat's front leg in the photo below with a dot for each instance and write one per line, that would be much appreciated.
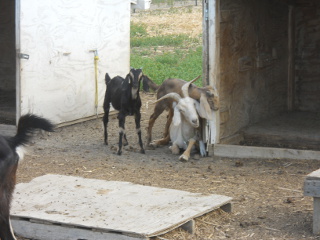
(122, 119)
(174, 149)
(137, 119)
(186, 154)
(6, 232)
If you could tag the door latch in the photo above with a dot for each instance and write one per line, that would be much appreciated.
(23, 56)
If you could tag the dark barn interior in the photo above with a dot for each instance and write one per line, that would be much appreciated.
(7, 63)
(269, 73)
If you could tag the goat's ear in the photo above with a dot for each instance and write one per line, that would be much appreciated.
(203, 108)
(129, 78)
(176, 116)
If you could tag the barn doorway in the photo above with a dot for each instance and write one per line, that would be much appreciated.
(7, 63)
(269, 81)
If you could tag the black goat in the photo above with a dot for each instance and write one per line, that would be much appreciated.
(9, 159)
(124, 96)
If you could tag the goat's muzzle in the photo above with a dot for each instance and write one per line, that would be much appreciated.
(195, 122)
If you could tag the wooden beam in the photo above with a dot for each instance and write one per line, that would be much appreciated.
(236, 151)
(291, 45)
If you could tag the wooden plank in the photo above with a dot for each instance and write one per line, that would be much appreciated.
(312, 188)
(40, 231)
(120, 207)
(7, 130)
(315, 175)
(237, 151)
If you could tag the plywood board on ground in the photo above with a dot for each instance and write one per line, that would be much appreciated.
(52, 204)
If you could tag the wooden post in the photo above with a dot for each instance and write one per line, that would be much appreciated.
(291, 37)
(211, 55)
(312, 189)
(316, 215)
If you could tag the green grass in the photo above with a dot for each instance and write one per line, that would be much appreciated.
(166, 56)
(167, 40)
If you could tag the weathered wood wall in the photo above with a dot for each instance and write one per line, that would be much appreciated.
(307, 80)
(7, 45)
(253, 62)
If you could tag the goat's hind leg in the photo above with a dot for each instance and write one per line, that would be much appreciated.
(166, 135)
(106, 108)
(158, 109)
(168, 123)
(105, 125)
(5, 225)
(137, 120)
(124, 139)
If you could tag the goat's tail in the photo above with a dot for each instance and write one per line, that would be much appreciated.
(26, 126)
(107, 78)
(147, 83)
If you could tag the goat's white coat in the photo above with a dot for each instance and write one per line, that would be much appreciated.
(21, 151)
(182, 129)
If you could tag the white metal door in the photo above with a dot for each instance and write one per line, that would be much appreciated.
(57, 38)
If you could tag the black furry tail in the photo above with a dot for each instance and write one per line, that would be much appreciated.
(107, 78)
(147, 83)
(26, 126)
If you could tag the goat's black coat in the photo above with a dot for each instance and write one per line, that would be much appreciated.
(124, 96)
(9, 163)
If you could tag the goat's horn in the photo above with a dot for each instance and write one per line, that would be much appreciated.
(173, 95)
(185, 87)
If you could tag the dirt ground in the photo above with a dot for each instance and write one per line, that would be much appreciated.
(268, 201)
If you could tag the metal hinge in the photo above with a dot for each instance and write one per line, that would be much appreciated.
(206, 11)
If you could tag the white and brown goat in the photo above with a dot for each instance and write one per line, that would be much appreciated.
(184, 130)
(206, 96)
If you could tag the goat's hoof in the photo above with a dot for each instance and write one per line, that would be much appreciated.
(153, 145)
(119, 153)
(174, 149)
(183, 158)
(142, 151)
(106, 142)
